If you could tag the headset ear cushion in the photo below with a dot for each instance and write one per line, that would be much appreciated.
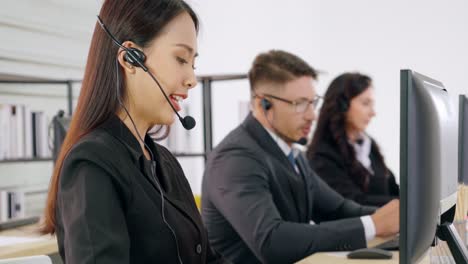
(135, 57)
(343, 105)
(266, 105)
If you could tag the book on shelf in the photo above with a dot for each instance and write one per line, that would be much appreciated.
(28, 133)
(5, 131)
(23, 133)
(12, 205)
(4, 206)
(13, 125)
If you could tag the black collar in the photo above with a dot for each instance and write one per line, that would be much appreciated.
(115, 127)
(263, 138)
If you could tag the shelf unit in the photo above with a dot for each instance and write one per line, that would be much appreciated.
(207, 81)
(207, 85)
(67, 83)
(25, 160)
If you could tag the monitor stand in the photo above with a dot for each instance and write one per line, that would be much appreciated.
(448, 233)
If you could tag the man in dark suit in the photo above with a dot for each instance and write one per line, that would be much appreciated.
(261, 202)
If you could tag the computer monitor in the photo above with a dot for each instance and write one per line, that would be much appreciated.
(60, 123)
(428, 168)
(463, 140)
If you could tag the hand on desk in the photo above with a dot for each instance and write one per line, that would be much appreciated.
(387, 219)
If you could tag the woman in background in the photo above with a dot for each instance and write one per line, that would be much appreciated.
(342, 153)
(116, 196)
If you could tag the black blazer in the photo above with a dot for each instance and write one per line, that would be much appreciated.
(109, 206)
(330, 166)
(257, 208)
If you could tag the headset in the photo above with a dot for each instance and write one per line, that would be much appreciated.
(342, 100)
(266, 106)
(343, 104)
(137, 58)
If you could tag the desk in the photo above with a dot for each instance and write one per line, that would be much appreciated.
(327, 258)
(331, 258)
(46, 246)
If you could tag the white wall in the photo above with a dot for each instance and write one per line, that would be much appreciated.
(377, 38)
(44, 38)
(50, 38)
(381, 37)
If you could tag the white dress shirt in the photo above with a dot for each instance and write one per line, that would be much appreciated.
(363, 151)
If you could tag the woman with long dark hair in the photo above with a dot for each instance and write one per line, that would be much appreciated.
(116, 196)
(342, 153)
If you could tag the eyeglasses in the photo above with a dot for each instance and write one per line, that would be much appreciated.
(301, 105)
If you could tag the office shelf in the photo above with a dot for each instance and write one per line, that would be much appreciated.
(25, 160)
(205, 80)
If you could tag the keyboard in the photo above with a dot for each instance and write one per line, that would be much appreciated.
(392, 244)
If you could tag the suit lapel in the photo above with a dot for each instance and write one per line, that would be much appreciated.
(172, 175)
(172, 189)
(263, 138)
(295, 181)
(173, 182)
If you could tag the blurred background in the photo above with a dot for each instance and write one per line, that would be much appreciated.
(49, 39)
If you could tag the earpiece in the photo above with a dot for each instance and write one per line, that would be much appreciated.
(266, 104)
(343, 104)
(135, 57)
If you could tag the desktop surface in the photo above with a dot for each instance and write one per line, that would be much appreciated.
(47, 245)
(26, 241)
(340, 258)
(439, 254)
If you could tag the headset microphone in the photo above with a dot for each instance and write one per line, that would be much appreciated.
(187, 122)
(302, 141)
(267, 105)
(137, 58)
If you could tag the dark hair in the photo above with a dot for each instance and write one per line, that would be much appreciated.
(278, 67)
(331, 125)
(139, 21)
